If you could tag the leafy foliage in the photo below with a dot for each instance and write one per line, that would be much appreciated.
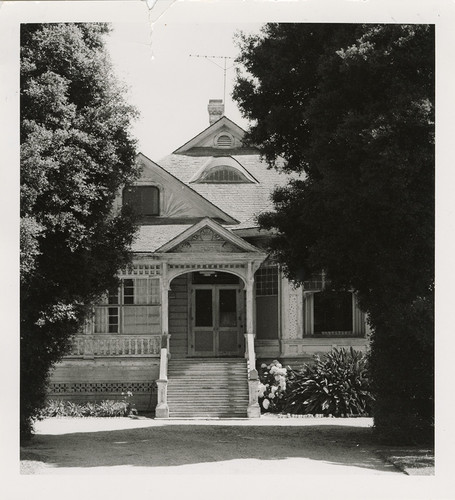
(106, 408)
(336, 384)
(76, 153)
(350, 108)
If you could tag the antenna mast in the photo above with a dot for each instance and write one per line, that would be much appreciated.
(224, 68)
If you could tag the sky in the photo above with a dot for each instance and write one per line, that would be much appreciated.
(170, 89)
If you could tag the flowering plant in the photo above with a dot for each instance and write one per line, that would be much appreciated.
(127, 399)
(272, 386)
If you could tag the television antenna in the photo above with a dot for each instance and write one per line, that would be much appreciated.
(223, 67)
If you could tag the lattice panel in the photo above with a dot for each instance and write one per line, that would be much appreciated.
(101, 387)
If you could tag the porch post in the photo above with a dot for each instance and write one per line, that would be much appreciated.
(162, 408)
(253, 410)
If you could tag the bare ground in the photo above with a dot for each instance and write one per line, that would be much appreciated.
(266, 445)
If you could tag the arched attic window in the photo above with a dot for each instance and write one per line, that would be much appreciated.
(223, 174)
(223, 170)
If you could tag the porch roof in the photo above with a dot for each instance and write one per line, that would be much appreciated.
(150, 238)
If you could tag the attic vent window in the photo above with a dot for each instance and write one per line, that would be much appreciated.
(224, 175)
(224, 141)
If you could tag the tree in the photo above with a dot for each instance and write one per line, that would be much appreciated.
(76, 153)
(350, 108)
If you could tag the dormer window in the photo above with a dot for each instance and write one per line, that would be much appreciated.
(144, 200)
(223, 170)
(223, 175)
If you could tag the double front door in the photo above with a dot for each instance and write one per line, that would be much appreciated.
(216, 321)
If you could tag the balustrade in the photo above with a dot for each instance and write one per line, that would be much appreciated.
(115, 345)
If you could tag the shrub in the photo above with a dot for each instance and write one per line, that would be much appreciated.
(272, 386)
(53, 408)
(336, 385)
(110, 408)
(89, 410)
(107, 408)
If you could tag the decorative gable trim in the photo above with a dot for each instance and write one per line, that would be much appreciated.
(207, 236)
(209, 136)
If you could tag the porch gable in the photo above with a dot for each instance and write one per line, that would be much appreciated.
(208, 236)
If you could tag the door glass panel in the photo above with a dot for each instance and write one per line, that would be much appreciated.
(203, 313)
(227, 341)
(203, 341)
(228, 308)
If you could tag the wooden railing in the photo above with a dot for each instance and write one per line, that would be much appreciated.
(115, 345)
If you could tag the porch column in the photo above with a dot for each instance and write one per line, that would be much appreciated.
(253, 410)
(162, 408)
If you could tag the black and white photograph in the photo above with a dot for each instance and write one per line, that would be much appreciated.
(222, 258)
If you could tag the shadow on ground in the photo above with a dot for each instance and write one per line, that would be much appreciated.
(180, 444)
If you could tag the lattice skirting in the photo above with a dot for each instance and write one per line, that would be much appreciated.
(101, 387)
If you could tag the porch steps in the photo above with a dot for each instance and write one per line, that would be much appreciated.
(207, 388)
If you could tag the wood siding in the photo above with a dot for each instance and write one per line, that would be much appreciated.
(178, 316)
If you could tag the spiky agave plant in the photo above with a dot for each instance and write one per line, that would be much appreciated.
(336, 384)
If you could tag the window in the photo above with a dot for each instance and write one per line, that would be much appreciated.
(332, 314)
(266, 279)
(133, 308)
(144, 200)
(223, 170)
(223, 175)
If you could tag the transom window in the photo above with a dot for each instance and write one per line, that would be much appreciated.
(144, 200)
(223, 174)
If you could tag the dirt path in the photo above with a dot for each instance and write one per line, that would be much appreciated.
(269, 445)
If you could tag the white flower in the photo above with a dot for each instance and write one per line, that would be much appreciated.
(261, 389)
(263, 365)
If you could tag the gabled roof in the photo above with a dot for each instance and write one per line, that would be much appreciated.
(225, 234)
(204, 141)
(185, 202)
(150, 238)
(241, 201)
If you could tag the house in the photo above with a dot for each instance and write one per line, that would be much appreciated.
(202, 302)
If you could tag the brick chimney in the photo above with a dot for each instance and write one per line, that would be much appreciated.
(216, 110)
